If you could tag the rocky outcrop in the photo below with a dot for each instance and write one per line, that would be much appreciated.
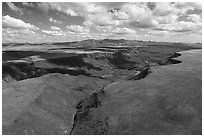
(21, 71)
(140, 74)
(119, 60)
(99, 55)
(84, 122)
(171, 60)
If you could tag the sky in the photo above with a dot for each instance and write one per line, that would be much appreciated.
(40, 22)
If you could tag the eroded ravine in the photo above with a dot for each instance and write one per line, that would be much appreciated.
(85, 122)
(76, 66)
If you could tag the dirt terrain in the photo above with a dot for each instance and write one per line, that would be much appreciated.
(102, 87)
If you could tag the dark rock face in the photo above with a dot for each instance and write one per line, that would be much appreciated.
(170, 59)
(120, 61)
(21, 71)
(84, 122)
(142, 74)
(74, 61)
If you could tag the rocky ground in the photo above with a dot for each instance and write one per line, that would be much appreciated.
(102, 87)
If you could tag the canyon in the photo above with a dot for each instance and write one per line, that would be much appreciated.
(100, 87)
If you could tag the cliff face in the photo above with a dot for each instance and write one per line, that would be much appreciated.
(99, 55)
(119, 64)
(21, 71)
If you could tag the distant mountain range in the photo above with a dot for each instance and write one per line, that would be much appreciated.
(106, 42)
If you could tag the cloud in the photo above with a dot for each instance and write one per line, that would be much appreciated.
(55, 21)
(53, 33)
(15, 8)
(119, 15)
(181, 27)
(10, 22)
(110, 30)
(55, 28)
(176, 8)
(60, 7)
(77, 29)
(21, 35)
(18, 35)
(194, 18)
(122, 31)
(102, 19)
(160, 33)
(71, 12)
(188, 5)
(18, 32)
(105, 19)
(144, 23)
(140, 15)
(28, 4)
(44, 6)
(164, 9)
(96, 14)
(171, 18)
(136, 10)
(94, 9)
